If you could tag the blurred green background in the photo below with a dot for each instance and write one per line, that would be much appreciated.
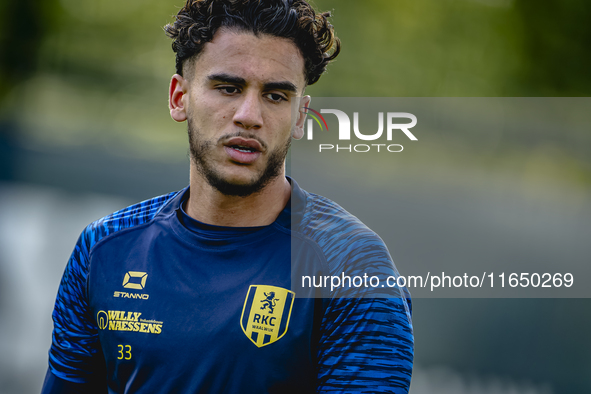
(83, 112)
(95, 73)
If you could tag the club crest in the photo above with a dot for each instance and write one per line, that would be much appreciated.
(266, 312)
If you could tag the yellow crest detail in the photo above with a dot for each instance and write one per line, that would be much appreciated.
(266, 313)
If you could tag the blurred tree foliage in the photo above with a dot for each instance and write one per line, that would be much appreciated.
(24, 25)
(556, 47)
(391, 47)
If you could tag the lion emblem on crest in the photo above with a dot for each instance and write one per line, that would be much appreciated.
(269, 302)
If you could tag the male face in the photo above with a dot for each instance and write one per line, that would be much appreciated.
(241, 99)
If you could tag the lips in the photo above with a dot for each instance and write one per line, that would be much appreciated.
(241, 150)
(244, 144)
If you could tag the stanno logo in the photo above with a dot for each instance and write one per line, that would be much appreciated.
(266, 313)
(135, 296)
(127, 321)
(393, 124)
(138, 282)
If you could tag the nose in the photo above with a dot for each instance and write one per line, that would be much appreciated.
(248, 114)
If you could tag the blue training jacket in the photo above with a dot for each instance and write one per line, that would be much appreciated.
(152, 301)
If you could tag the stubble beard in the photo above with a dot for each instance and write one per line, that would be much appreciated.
(200, 156)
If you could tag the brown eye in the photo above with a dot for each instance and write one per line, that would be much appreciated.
(276, 97)
(228, 89)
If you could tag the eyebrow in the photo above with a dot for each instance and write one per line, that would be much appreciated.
(283, 85)
(227, 78)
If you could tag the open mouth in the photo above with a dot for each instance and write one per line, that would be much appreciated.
(244, 149)
(242, 154)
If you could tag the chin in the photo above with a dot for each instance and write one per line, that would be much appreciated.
(239, 185)
(233, 179)
(241, 175)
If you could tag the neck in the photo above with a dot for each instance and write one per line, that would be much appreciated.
(208, 205)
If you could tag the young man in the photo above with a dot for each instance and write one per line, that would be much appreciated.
(197, 291)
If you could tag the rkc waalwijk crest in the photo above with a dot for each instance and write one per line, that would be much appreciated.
(266, 313)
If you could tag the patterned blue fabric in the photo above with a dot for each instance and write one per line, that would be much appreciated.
(367, 344)
(353, 340)
(75, 333)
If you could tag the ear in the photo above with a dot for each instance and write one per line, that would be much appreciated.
(176, 97)
(298, 130)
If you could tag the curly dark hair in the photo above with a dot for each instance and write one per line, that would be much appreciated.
(197, 22)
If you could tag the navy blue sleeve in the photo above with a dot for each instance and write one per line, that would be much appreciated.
(367, 346)
(366, 343)
(75, 354)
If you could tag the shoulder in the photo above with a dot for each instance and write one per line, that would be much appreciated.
(337, 232)
(126, 218)
(345, 242)
(324, 217)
